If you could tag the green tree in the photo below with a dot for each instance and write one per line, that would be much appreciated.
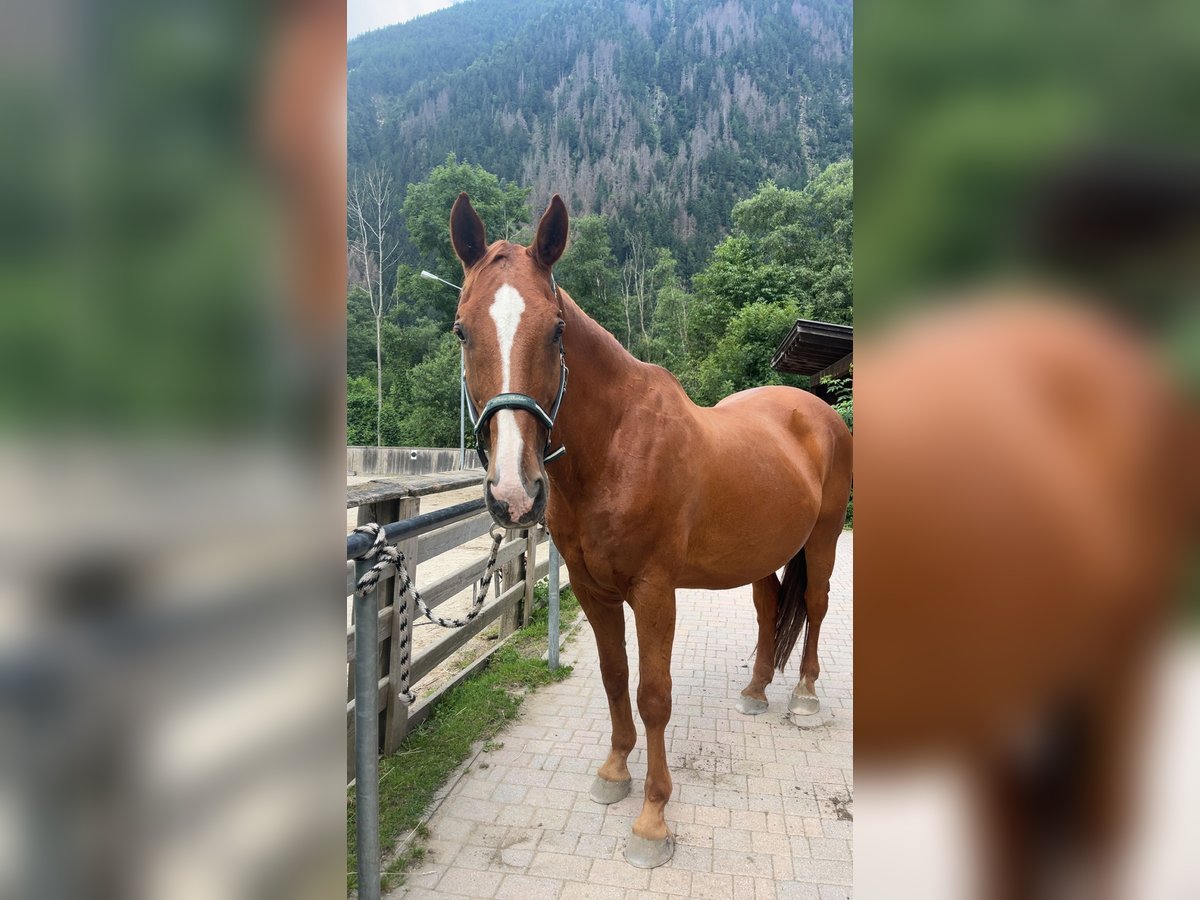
(504, 208)
(742, 357)
(826, 269)
(360, 333)
(361, 411)
(735, 276)
(671, 345)
(588, 270)
(810, 232)
(430, 398)
(789, 257)
(646, 271)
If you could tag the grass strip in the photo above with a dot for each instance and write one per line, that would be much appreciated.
(473, 711)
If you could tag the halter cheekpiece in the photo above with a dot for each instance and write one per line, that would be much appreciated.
(517, 401)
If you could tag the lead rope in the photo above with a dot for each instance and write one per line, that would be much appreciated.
(391, 557)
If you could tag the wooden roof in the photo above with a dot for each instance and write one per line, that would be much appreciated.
(811, 347)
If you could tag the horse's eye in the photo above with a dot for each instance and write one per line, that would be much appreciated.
(558, 330)
(459, 333)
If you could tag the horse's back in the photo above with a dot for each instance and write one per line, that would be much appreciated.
(803, 429)
(764, 466)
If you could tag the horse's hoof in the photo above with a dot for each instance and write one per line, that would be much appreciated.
(801, 722)
(804, 701)
(648, 854)
(751, 706)
(606, 792)
(804, 706)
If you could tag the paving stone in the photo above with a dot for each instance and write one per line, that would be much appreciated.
(584, 890)
(669, 880)
(558, 841)
(828, 848)
(712, 886)
(619, 873)
(527, 887)
(758, 809)
(739, 862)
(470, 883)
(559, 865)
(597, 846)
(796, 890)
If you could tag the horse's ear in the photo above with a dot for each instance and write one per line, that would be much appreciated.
(551, 239)
(467, 233)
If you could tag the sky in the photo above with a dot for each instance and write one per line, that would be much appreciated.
(364, 15)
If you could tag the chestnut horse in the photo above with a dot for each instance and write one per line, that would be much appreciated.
(652, 493)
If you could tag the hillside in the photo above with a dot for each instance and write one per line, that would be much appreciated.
(658, 114)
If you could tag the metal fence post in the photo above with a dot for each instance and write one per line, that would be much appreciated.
(366, 739)
(462, 411)
(552, 648)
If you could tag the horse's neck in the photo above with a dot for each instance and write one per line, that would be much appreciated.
(602, 385)
(597, 353)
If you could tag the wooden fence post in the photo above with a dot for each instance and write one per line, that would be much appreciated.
(396, 720)
(531, 542)
(375, 512)
(510, 619)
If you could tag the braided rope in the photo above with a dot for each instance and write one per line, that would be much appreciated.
(391, 557)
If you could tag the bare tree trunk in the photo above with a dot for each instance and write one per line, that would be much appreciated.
(638, 288)
(626, 299)
(369, 209)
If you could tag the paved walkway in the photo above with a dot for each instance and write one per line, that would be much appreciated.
(761, 809)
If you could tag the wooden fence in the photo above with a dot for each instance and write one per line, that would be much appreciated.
(511, 601)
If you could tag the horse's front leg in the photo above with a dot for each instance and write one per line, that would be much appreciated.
(607, 618)
(651, 843)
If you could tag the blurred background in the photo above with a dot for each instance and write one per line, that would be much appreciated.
(172, 673)
(1026, 658)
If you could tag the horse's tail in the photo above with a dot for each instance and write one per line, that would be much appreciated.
(791, 613)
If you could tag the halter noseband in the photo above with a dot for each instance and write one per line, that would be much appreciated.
(518, 401)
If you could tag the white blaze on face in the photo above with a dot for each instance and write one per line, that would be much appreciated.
(506, 312)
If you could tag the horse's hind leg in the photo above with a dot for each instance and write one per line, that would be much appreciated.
(607, 619)
(753, 700)
(819, 553)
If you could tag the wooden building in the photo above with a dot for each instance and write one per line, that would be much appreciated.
(818, 350)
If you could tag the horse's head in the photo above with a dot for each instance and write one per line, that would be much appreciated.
(510, 323)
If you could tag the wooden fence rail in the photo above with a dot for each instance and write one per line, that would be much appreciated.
(520, 563)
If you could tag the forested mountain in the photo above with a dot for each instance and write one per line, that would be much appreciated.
(703, 149)
(657, 114)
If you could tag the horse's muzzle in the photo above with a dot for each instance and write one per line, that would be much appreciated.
(516, 508)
